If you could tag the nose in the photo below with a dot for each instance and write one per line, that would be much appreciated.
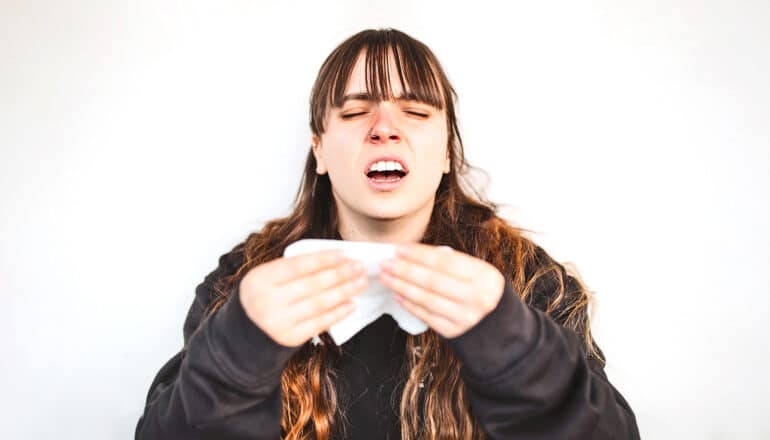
(384, 128)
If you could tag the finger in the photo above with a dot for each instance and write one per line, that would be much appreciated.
(440, 324)
(443, 258)
(286, 269)
(324, 301)
(435, 305)
(427, 277)
(321, 322)
(301, 288)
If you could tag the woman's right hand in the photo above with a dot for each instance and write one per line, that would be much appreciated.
(295, 298)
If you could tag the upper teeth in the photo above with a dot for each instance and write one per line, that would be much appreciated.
(386, 165)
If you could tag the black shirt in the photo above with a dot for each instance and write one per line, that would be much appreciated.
(527, 377)
(370, 383)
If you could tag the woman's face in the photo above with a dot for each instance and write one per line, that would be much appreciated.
(362, 132)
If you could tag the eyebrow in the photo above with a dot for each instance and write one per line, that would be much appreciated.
(364, 96)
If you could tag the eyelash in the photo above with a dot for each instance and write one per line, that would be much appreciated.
(422, 115)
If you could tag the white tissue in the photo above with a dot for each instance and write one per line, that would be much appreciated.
(370, 304)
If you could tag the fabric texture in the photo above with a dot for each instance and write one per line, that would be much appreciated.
(527, 376)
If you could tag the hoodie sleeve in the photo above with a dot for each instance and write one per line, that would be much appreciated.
(225, 382)
(528, 377)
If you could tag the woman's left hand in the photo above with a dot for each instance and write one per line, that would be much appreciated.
(449, 290)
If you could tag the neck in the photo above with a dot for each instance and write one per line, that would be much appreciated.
(409, 228)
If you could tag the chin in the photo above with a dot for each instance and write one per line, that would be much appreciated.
(384, 212)
(394, 208)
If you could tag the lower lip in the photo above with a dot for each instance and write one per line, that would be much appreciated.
(379, 185)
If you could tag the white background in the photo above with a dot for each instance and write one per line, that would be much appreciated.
(139, 140)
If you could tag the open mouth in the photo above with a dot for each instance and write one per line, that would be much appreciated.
(386, 176)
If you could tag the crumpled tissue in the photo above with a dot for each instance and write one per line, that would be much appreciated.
(375, 301)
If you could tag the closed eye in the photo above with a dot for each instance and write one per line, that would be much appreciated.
(351, 115)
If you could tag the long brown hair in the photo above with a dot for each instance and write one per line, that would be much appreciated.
(434, 401)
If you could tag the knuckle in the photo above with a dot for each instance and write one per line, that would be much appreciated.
(304, 309)
(317, 303)
(323, 321)
(336, 297)
(296, 264)
(338, 312)
(307, 263)
(330, 300)
(298, 288)
(350, 288)
(436, 285)
(470, 320)
(488, 304)
(425, 279)
(327, 259)
(416, 294)
(345, 290)
(344, 272)
(323, 278)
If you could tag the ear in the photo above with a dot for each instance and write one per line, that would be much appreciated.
(320, 167)
(448, 163)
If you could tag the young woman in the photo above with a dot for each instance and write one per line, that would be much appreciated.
(509, 352)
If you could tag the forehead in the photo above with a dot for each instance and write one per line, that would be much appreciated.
(385, 76)
(357, 81)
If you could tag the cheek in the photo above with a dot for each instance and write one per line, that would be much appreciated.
(340, 139)
(338, 157)
(433, 152)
